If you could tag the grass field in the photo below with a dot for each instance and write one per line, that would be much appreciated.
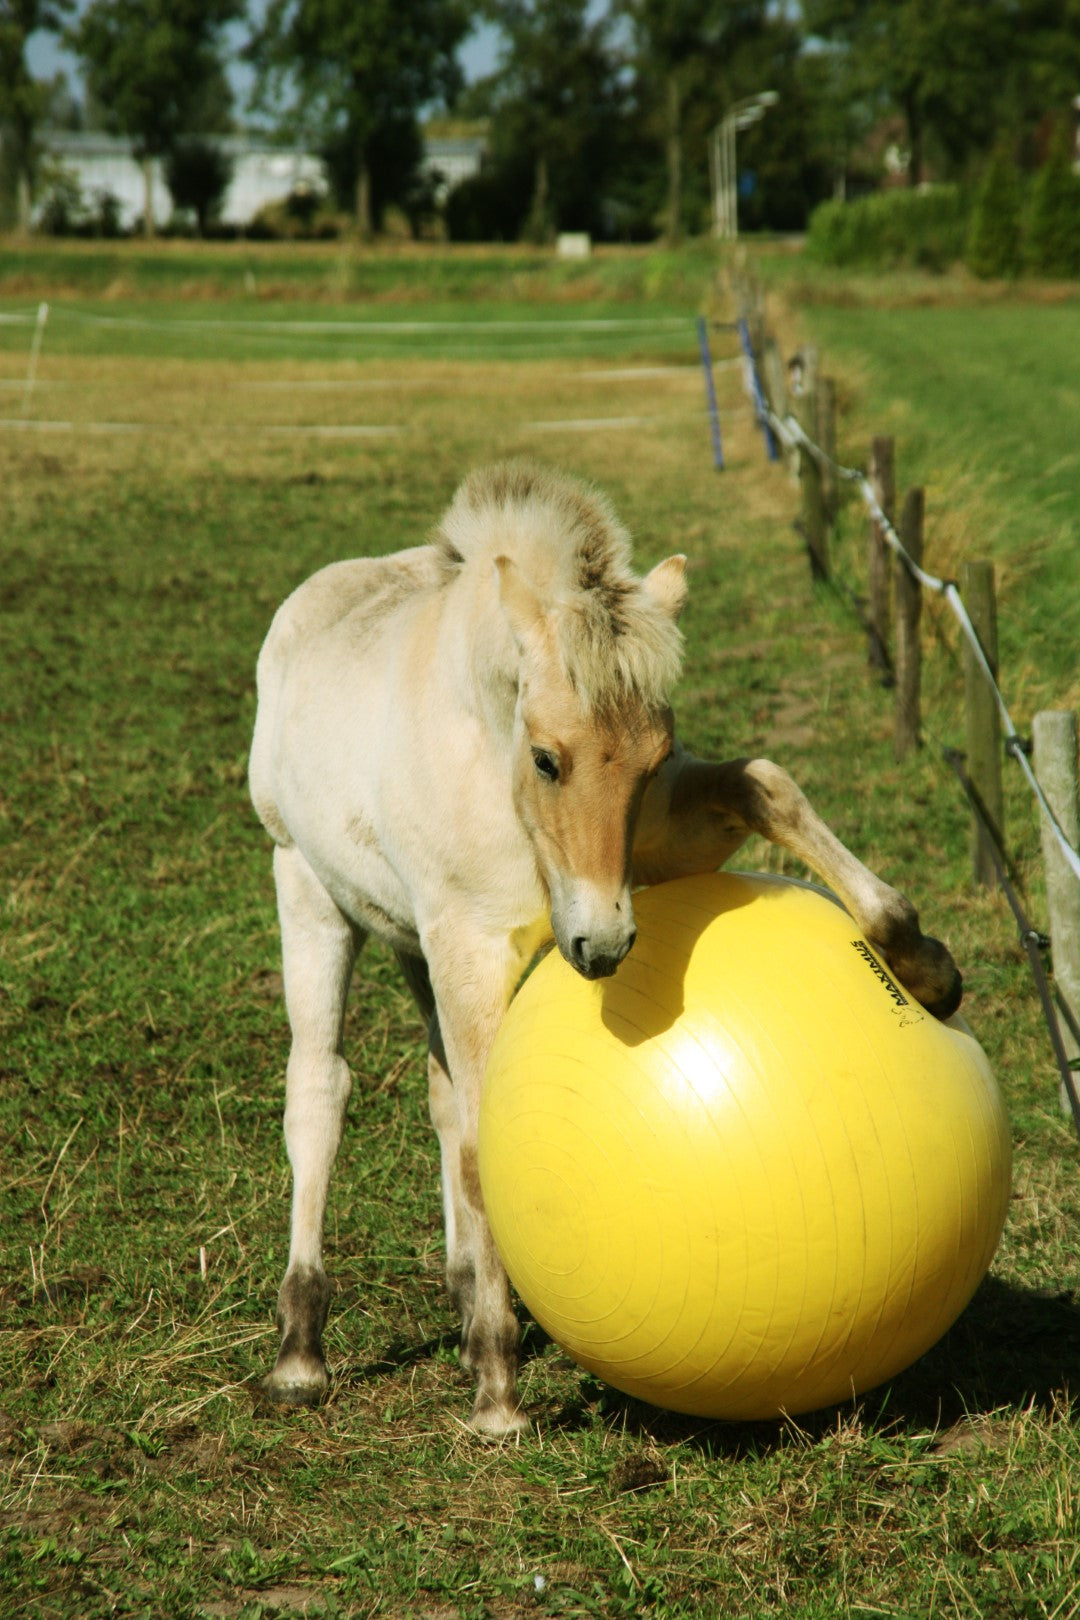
(143, 1184)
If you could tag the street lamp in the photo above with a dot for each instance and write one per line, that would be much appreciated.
(722, 166)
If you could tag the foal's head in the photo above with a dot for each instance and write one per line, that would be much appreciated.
(592, 726)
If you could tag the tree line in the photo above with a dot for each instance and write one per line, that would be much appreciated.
(597, 117)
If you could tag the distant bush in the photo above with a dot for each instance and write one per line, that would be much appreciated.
(891, 229)
(995, 232)
(302, 216)
(488, 207)
(1053, 242)
(61, 208)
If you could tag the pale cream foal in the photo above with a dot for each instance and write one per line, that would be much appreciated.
(467, 748)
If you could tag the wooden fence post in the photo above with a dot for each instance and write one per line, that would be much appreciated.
(908, 597)
(983, 720)
(826, 437)
(883, 482)
(772, 375)
(813, 520)
(1056, 767)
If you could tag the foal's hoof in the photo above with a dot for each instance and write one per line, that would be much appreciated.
(296, 1382)
(496, 1420)
(946, 1005)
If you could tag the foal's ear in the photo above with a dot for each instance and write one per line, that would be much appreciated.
(666, 584)
(520, 602)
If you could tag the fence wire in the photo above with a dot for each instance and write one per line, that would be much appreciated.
(791, 433)
(794, 436)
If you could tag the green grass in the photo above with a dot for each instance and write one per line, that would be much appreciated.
(983, 406)
(143, 1185)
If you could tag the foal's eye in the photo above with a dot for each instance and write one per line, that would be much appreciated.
(546, 764)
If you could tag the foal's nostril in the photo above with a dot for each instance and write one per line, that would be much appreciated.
(579, 952)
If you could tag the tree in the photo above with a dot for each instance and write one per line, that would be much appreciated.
(693, 54)
(198, 173)
(154, 68)
(993, 245)
(350, 71)
(958, 71)
(23, 99)
(555, 105)
(1054, 230)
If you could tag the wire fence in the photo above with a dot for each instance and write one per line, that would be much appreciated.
(784, 429)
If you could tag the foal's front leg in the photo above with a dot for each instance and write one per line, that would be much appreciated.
(697, 814)
(472, 991)
(319, 946)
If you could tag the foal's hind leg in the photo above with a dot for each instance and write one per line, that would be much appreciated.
(319, 946)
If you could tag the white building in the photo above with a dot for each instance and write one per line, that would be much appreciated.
(106, 163)
(261, 174)
(452, 158)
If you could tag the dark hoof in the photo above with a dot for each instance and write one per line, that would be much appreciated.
(949, 1003)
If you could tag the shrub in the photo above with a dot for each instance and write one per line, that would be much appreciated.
(302, 216)
(1053, 247)
(198, 175)
(62, 208)
(488, 207)
(891, 229)
(994, 235)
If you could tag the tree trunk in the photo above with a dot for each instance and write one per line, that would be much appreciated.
(365, 228)
(913, 115)
(22, 201)
(538, 223)
(673, 211)
(148, 195)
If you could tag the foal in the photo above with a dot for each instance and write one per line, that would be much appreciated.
(467, 748)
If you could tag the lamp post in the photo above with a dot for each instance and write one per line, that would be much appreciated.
(722, 166)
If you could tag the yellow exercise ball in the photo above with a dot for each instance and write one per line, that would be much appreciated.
(748, 1174)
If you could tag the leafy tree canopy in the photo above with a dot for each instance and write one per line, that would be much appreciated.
(556, 105)
(153, 67)
(345, 70)
(959, 71)
(23, 100)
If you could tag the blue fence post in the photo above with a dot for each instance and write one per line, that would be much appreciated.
(710, 393)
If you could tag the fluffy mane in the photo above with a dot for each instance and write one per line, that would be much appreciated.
(615, 640)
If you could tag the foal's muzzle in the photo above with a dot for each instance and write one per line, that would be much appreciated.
(598, 963)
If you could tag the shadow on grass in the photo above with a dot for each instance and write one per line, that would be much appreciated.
(1012, 1348)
